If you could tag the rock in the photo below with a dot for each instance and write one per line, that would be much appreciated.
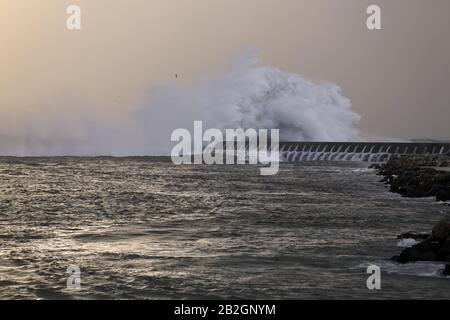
(447, 270)
(413, 176)
(415, 236)
(441, 230)
(427, 256)
(444, 178)
(434, 248)
(413, 255)
(424, 251)
(444, 252)
(443, 194)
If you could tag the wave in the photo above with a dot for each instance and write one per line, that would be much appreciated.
(246, 95)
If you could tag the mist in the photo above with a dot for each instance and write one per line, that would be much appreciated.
(246, 95)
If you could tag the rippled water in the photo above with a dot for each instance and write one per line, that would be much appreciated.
(144, 228)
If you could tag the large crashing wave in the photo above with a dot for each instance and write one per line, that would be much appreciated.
(247, 95)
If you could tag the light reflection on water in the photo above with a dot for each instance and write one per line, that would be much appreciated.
(143, 228)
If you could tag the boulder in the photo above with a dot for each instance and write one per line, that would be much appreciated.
(447, 270)
(413, 235)
(443, 194)
(433, 248)
(424, 251)
(441, 230)
(443, 253)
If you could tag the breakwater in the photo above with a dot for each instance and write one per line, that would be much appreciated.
(373, 152)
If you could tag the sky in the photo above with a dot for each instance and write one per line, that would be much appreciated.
(397, 78)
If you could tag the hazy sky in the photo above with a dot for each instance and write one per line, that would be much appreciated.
(397, 78)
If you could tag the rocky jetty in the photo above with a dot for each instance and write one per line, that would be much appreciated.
(434, 248)
(422, 176)
(418, 175)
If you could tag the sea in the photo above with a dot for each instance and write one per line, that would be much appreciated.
(143, 228)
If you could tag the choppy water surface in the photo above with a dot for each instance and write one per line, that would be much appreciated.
(144, 228)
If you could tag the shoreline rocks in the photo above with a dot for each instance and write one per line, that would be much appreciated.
(436, 247)
(418, 175)
(422, 176)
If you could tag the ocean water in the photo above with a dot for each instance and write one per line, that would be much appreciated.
(142, 228)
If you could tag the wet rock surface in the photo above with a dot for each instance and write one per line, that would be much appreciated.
(422, 176)
(436, 247)
(447, 270)
(418, 175)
